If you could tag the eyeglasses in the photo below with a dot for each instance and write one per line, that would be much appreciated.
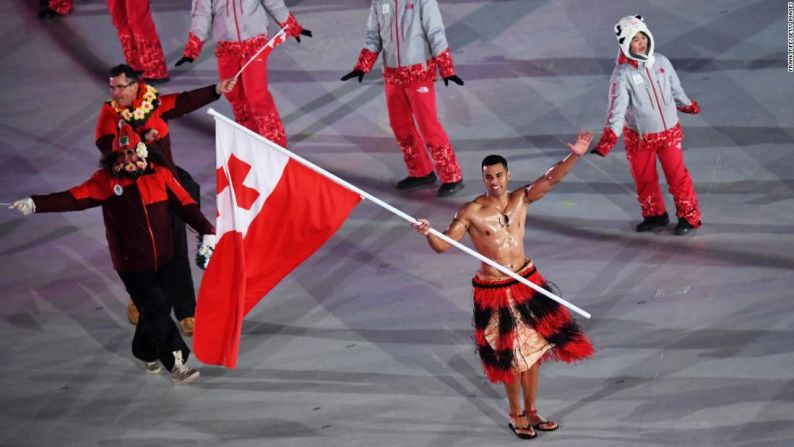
(120, 87)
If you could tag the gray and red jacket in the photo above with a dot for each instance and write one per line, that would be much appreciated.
(410, 34)
(644, 99)
(170, 106)
(136, 214)
(234, 23)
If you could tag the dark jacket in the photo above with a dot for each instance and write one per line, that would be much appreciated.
(136, 214)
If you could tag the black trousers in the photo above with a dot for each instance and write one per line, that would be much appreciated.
(156, 335)
(183, 295)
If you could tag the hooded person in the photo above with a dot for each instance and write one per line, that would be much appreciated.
(136, 193)
(645, 96)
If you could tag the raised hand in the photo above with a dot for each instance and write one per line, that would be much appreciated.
(453, 78)
(354, 74)
(183, 60)
(583, 140)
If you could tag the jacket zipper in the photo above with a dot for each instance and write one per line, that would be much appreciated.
(660, 90)
(397, 29)
(664, 123)
(236, 25)
(149, 228)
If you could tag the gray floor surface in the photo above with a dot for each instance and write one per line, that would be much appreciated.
(369, 343)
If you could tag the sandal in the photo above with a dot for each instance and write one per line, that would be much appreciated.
(544, 424)
(522, 432)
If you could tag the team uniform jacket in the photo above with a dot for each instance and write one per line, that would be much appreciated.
(410, 34)
(171, 106)
(136, 214)
(644, 99)
(234, 21)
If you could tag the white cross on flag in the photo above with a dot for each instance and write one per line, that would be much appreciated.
(273, 213)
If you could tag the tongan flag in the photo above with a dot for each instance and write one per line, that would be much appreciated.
(273, 213)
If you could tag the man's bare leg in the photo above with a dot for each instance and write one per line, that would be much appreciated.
(518, 420)
(529, 383)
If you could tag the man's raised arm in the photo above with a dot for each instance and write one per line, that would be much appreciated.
(556, 173)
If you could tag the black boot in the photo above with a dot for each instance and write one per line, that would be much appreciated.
(156, 81)
(448, 189)
(48, 13)
(651, 222)
(415, 182)
(683, 227)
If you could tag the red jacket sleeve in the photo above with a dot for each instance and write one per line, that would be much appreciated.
(89, 194)
(178, 104)
(183, 205)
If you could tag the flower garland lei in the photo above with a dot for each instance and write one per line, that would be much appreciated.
(137, 117)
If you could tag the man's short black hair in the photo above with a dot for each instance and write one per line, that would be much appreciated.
(124, 69)
(494, 160)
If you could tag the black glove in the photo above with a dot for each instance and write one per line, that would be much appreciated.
(304, 32)
(48, 13)
(453, 78)
(183, 60)
(354, 74)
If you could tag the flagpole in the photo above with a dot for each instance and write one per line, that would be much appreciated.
(393, 210)
(272, 39)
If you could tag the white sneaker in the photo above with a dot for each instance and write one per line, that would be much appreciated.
(181, 374)
(152, 368)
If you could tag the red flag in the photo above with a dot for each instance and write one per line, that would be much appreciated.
(273, 213)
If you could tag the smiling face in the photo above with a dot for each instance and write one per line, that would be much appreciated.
(495, 177)
(123, 90)
(639, 44)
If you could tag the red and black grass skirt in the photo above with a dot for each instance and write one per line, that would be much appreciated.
(548, 318)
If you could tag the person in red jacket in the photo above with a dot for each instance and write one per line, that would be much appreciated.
(147, 111)
(136, 192)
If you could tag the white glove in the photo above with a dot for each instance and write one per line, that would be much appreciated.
(24, 206)
(204, 251)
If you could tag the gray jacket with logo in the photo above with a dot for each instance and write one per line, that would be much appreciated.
(644, 98)
(407, 32)
(234, 20)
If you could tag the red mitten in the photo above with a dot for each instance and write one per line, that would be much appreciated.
(605, 143)
(193, 47)
(366, 59)
(294, 29)
(693, 108)
(445, 65)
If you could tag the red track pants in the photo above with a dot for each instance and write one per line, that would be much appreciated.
(138, 37)
(251, 101)
(415, 105)
(642, 154)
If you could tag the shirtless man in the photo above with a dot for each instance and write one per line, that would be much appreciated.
(516, 328)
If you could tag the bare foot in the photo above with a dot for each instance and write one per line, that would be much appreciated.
(521, 427)
(541, 423)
